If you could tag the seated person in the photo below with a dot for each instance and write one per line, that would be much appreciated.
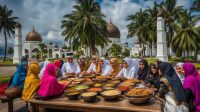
(49, 86)
(191, 86)
(16, 84)
(114, 69)
(179, 71)
(32, 81)
(102, 65)
(92, 67)
(153, 79)
(70, 68)
(143, 69)
(128, 71)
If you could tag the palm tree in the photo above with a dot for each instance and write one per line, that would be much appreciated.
(85, 26)
(187, 36)
(7, 24)
(171, 13)
(138, 27)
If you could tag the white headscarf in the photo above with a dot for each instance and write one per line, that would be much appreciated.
(129, 72)
(106, 65)
(181, 76)
(43, 68)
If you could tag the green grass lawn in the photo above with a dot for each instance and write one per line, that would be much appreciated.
(7, 63)
(4, 79)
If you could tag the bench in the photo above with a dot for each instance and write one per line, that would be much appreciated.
(10, 102)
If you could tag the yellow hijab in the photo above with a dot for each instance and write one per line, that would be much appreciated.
(115, 67)
(32, 81)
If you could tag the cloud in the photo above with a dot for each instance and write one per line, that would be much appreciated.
(186, 3)
(119, 11)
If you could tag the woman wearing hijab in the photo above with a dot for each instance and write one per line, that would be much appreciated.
(171, 89)
(192, 86)
(58, 71)
(114, 69)
(179, 71)
(49, 85)
(128, 70)
(92, 67)
(143, 69)
(43, 69)
(153, 78)
(16, 85)
(32, 81)
(102, 65)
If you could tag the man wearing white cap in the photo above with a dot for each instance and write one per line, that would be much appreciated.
(70, 67)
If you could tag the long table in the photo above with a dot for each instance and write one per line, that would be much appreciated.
(121, 105)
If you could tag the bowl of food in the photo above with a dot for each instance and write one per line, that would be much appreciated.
(123, 88)
(81, 87)
(89, 96)
(115, 81)
(95, 89)
(108, 88)
(139, 95)
(111, 94)
(72, 95)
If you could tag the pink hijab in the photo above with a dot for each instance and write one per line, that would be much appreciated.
(192, 81)
(49, 85)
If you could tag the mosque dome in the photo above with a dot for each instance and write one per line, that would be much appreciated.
(33, 36)
(112, 30)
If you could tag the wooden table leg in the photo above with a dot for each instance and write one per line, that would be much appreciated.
(10, 105)
(42, 108)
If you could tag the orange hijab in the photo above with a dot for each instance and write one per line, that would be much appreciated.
(115, 67)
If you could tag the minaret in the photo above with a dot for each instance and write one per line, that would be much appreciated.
(17, 44)
(161, 38)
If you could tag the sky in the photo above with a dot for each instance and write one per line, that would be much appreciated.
(46, 16)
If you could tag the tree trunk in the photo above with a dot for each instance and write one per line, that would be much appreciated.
(4, 59)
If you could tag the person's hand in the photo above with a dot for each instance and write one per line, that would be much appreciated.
(68, 83)
(148, 84)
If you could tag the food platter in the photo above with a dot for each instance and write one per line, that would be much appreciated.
(139, 93)
(111, 94)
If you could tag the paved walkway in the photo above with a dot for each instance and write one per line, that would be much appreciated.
(7, 70)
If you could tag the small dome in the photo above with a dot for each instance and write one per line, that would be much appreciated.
(33, 36)
(112, 31)
(18, 25)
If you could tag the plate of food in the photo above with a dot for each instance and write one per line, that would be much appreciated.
(111, 94)
(81, 87)
(115, 81)
(63, 81)
(97, 85)
(109, 85)
(133, 81)
(103, 77)
(88, 83)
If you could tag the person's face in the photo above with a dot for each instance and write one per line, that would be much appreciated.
(141, 65)
(125, 64)
(112, 64)
(70, 59)
(154, 70)
(179, 70)
(94, 60)
(101, 62)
